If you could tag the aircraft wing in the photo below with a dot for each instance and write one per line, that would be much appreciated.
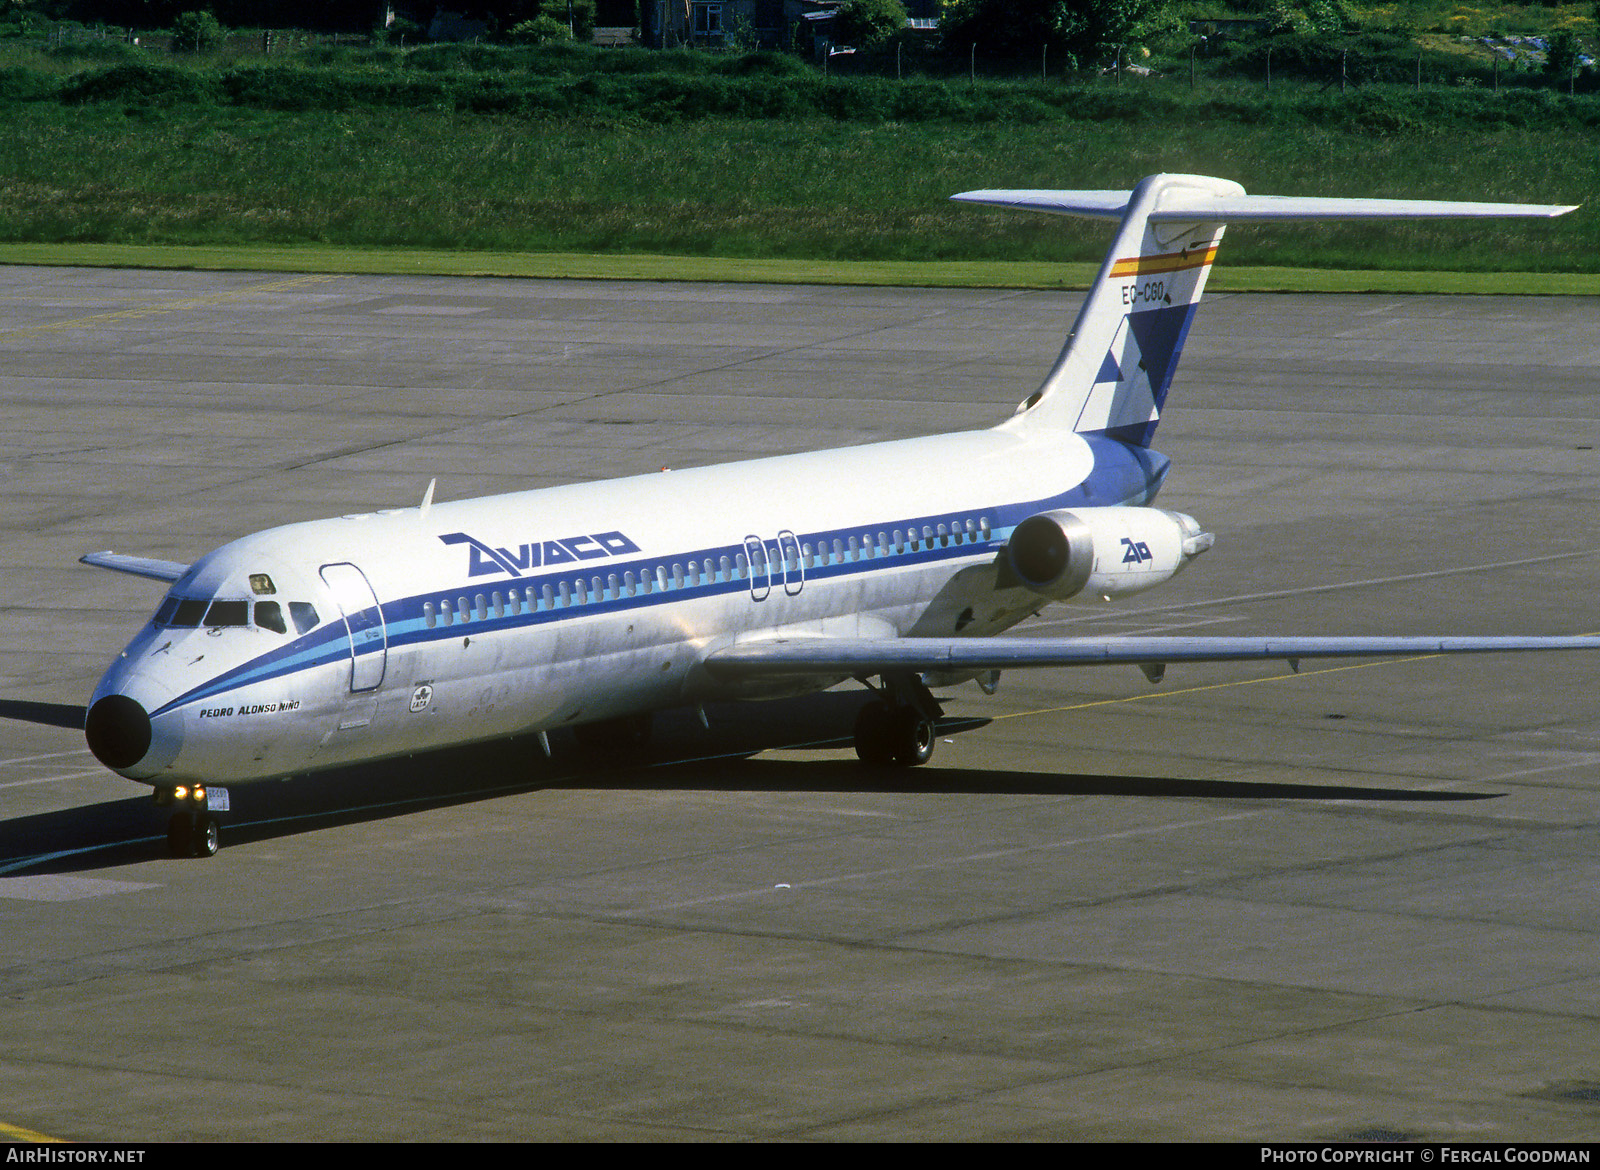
(138, 566)
(864, 656)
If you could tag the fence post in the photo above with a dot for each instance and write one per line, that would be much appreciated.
(1419, 70)
(1344, 73)
(1269, 68)
(1044, 62)
(972, 64)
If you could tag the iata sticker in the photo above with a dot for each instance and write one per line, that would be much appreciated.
(421, 697)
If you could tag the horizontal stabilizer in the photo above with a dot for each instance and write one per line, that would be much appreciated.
(865, 656)
(1189, 205)
(137, 566)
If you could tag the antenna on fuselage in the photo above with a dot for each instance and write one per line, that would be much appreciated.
(427, 499)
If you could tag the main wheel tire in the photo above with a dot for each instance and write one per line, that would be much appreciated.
(206, 837)
(874, 735)
(912, 737)
(180, 834)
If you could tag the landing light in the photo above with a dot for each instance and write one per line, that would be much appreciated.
(180, 793)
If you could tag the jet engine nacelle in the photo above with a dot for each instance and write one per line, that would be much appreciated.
(1110, 552)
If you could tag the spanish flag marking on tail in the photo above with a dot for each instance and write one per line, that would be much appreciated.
(1170, 262)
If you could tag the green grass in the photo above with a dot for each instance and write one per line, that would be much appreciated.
(807, 191)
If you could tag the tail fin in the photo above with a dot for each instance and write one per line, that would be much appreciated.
(1113, 373)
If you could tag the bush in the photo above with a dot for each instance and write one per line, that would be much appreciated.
(18, 84)
(197, 32)
(401, 32)
(865, 23)
(767, 64)
(541, 30)
(142, 83)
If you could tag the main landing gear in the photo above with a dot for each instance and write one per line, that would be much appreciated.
(192, 829)
(897, 728)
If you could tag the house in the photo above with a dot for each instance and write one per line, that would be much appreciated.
(711, 23)
(768, 23)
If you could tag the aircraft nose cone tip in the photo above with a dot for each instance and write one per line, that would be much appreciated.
(118, 731)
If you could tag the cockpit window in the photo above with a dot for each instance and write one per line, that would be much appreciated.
(189, 611)
(269, 616)
(261, 583)
(304, 615)
(218, 613)
(228, 613)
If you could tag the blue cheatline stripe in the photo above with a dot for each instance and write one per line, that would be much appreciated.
(1121, 475)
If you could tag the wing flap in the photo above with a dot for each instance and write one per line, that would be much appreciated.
(137, 566)
(863, 656)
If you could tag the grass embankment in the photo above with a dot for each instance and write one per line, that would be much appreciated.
(288, 157)
(889, 273)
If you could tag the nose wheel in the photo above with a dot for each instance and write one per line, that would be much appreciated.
(193, 830)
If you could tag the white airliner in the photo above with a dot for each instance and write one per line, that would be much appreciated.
(323, 643)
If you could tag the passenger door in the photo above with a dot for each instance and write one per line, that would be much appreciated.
(363, 623)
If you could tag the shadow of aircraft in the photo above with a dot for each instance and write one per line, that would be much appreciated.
(50, 714)
(681, 756)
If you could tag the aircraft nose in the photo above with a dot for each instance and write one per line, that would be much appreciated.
(118, 731)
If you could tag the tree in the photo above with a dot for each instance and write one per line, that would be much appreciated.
(864, 23)
(1561, 60)
(1087, 29)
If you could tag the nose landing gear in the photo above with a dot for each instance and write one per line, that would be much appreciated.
(192, 830)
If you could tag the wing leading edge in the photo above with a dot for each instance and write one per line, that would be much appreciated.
(866, 656)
